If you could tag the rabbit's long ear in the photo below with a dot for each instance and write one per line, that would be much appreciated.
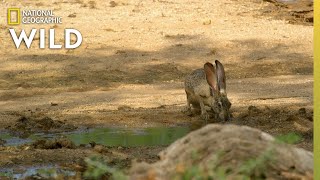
(221, 78)
(210, 75)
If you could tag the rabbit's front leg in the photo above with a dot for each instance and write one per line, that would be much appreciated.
(204, 113)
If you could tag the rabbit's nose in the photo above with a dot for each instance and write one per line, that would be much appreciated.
(226, 116)
(230, 117)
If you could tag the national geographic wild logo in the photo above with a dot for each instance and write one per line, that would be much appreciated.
(17, 16)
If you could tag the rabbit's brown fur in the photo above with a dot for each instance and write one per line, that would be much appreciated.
(207, 87)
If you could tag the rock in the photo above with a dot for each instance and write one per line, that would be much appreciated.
(100, 148)
(53, 103)
(113, 4)
(253, 110)
(2, 142)
(302, 111)
(303, 125)
(71, 16)
(239, 150)
(300, 123)
(207, 22)
(124, 108)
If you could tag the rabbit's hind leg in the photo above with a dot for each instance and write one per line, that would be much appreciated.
(189, 102)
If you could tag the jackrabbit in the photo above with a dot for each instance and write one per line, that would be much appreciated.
(207, 87)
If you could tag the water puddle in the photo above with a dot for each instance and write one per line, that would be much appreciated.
(36, 172)
(126, 137)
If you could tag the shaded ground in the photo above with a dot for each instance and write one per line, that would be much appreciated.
(295, 12)
(130, 68)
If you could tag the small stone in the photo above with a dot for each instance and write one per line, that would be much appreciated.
(113, 4)
(72, 15)
(207, 22)
(124, 107)
(253, 110)
(2, 142)
(99, 148)
(302, 111)
(54, 104)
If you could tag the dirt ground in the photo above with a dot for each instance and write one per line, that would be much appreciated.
(130, 68)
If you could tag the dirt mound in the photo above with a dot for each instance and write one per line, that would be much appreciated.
(300, 121)
(258, 112)
(280, 121)
(229, 151)
(25, 126)
(295, 12)
(53, 144)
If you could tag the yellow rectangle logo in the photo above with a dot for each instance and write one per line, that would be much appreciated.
(13, 16)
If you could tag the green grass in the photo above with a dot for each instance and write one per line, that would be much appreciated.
(290, 138)
(97, 168)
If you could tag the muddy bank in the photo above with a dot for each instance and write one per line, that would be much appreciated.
(64, 155)
(25, 126)
(60, 160)
(53, 144)
(64, 151)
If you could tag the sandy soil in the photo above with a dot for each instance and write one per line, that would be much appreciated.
(130, 67)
